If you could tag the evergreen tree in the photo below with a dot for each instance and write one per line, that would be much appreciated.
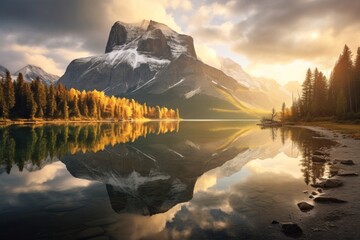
(356, 76)
(39, 96)
(51, 102)
(341, 105)
(307, 93)
(19, 107)
(30, 104)
(342, 80)
(9, 96)
(320, 94)
(61, 102)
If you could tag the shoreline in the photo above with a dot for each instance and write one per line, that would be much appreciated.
(61, 121)
(333, 220)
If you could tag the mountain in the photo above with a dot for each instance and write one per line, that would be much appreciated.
(3, 71)
(31, 72)
(150, 62)
(263, 92)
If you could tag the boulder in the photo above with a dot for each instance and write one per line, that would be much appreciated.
(291, 229)
(328, 183)
(347, 162)
(304, 206)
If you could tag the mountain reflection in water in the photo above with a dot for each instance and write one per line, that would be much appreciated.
(149, 168)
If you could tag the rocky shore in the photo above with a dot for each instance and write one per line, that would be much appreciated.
(331, 206)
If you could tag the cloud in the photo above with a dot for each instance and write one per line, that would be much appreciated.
(262, 32)
(68, 29)
(283, 30)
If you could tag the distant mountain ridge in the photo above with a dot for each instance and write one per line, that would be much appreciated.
(150, 62)
(30, 73)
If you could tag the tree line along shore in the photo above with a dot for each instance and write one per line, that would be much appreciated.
(336, 99)
(21, 101)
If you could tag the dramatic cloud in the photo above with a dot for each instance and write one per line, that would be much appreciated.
(280, 32)
(260, 34)
(68, 29)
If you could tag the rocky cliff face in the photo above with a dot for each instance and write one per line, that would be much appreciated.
(150, 62)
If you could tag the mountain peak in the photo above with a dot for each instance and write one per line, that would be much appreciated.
(151, 38)
(31, 72)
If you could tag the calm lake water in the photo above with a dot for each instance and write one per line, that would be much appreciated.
(157, 180)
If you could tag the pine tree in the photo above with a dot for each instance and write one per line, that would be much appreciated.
(30, 104)
(9, 96)
(356, 76)
(19, 107)
(341, 79)
(39, 96)
(51, 102)
(61, 102)
(341, 105)
(307, 93)
(319, 100)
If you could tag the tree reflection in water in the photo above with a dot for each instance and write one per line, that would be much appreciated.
(307, 142)
(37, 145)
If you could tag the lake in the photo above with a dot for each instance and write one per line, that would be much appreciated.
(154, 180)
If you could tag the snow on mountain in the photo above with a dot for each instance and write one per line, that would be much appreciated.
(31, 72)
(234, 70)
(152, 63)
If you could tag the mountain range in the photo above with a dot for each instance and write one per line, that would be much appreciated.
(30, 73)
(150, 62)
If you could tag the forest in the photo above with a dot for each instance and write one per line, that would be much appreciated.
(337, 97)
(22, 100)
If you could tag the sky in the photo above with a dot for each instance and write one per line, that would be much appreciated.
(276, 39)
